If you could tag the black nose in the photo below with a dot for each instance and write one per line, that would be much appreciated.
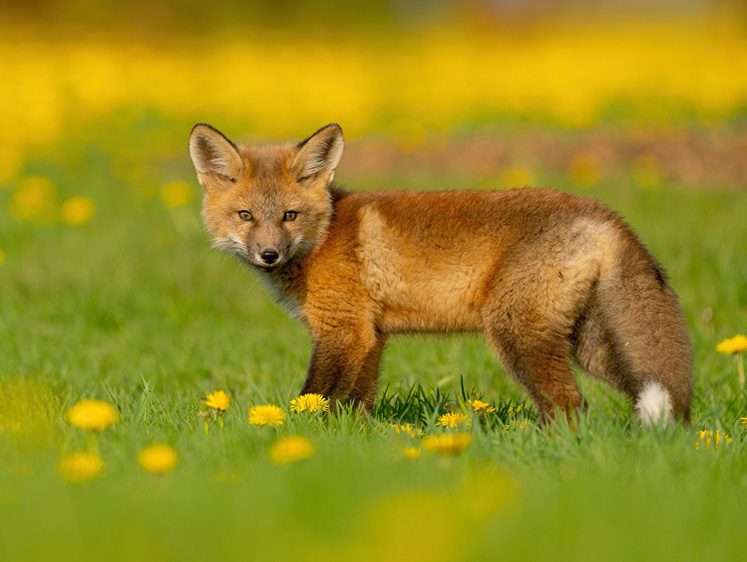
(269, 256)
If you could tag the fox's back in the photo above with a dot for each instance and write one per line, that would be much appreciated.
(427, 260)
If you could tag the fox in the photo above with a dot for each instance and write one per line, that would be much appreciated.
(552, 279)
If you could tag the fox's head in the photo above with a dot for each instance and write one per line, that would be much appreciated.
(267, 205)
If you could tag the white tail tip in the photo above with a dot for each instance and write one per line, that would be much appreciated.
(654, 405)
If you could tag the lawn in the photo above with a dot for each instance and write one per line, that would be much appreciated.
(109, 291)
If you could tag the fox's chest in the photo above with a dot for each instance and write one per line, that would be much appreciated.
(282, 292)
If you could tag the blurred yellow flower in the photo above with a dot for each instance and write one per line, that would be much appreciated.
(266, 415)
(706, 437)
(481, 407)
(585, 169)
(158, 459)
(447, 443)
(309, 402)
(517, 424)
(736, 344)
(93, 415)
(217, 400)
(80, 467)
(744, 421)
(291, 449)
(412, 452)
(407, 429)
(452, 419)
(78, 210)
(35, 199)
(517, 177)
(176, 194)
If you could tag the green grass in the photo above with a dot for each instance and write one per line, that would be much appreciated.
(135, 309)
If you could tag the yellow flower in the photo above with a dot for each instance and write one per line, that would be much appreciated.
(78, 210)
(412, 452)
(79, 467)
(481, 407)
(452, 419)
(310, 402)
(736, 344)
(447, 443)
(218, 400)
(93, 415)
(744, 421)
(158, 459)
(176, 194)
(266, 415)
(517, 424)
(407, 429)
(35, 200)
(707, 437)
(291, 449)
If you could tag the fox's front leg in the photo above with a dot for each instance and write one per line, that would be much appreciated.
(345, 365)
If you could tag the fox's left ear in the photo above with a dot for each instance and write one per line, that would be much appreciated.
(319, 154)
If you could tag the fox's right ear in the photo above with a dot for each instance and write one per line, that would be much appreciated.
(213, 154)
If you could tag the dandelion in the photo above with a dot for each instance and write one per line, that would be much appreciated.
(452, 419)
(517, 424)
(80, 467)
(310, 402)
(93, 415)
(412, 452)
(737, 344)
(212, 406)
(291, 449)
(708, 437)
(447, 443)
(176, 194)
(266, 415)
(744, 421)
(158, 459)
(35, 200)
(217, 400)
(407, 429)
(481, 407)
(78, 210)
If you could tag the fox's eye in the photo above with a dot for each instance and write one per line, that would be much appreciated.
(290, 216)
(245, 216)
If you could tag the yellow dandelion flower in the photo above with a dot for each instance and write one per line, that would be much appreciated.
(407, 429)
(412, 452)
(517, 177)
(452, 419)
(447, 443)
(737, 344)
(158, 459)
(80, 467)
(176, 194)
(78, 210)
(310, 402)
(517, 424)
(707, 437)
(481, 407)
(744, 421)
(291, 449)
(217, 400)
(266, 415)
(93, 415)
(35, 200)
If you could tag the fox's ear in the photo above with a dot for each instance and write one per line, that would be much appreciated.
(212, 153)
(319, 154)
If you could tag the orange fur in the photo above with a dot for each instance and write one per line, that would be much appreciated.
(545, 275)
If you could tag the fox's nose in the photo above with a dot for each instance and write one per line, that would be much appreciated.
(269, 256)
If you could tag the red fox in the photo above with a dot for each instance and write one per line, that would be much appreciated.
(547, 276)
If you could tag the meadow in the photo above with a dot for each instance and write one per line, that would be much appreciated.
(109, 291)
